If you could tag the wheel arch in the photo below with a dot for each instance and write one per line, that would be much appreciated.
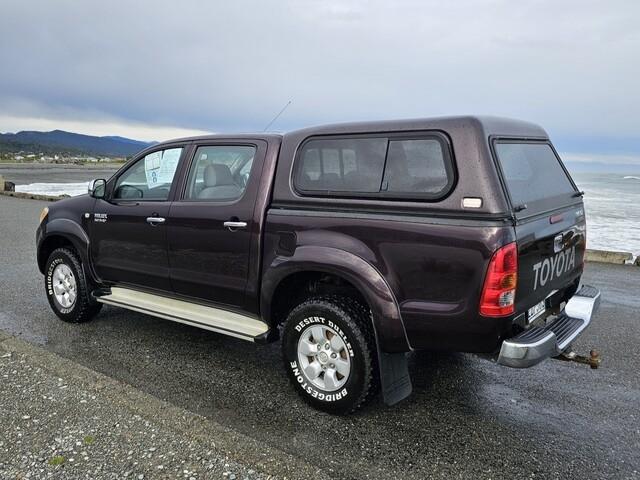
(62, 233)
(368, 282)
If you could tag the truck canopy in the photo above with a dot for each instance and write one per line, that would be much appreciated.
(317, 165)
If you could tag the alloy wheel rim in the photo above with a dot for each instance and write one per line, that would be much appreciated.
(64, 286)
(324, 358)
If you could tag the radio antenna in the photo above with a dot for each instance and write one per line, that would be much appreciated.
(276, 117)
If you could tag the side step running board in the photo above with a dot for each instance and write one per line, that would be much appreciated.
(208, 318)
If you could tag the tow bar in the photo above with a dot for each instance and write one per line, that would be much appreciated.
(593, 360)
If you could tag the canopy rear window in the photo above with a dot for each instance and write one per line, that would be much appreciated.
(534, 175)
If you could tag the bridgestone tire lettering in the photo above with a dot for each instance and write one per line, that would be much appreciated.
(352, 322)
(84, 309)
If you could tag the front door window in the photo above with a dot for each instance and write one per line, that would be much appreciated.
(150, 177)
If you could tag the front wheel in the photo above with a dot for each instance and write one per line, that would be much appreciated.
(66, 287)
(329, 353)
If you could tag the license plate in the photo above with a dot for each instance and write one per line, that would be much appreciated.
(535, 311)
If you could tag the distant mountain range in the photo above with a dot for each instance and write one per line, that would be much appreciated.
(61, 142)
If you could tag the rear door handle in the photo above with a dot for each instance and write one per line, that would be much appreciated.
(155, 220)
(233, 225)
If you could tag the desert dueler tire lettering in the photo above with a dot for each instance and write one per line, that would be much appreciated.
(329, 353)
(66, 287)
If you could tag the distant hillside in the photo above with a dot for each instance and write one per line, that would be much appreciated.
(61, 142)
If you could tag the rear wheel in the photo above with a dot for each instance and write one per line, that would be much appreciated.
(329, 353)
(66, 287)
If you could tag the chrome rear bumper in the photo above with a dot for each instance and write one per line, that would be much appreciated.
(539, 343)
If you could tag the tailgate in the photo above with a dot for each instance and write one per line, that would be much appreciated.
(550, 257)
(550, 223)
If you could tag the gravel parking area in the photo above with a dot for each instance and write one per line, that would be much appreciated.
(467, 418)
(61, 420)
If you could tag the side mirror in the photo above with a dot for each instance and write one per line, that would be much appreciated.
(97, 188)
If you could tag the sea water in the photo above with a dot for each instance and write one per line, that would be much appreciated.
(612, 205)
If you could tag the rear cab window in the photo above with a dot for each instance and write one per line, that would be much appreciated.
(383, 166)
(535, 178)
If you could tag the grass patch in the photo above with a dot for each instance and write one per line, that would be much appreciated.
(57, 460)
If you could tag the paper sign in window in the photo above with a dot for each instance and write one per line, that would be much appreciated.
(160, 167)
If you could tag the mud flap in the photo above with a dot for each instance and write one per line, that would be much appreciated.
(395, 381)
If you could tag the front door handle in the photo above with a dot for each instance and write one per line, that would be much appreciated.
(155, 220)
(234, 225)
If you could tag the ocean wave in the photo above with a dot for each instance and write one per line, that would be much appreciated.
(631, 177)
(71, 189)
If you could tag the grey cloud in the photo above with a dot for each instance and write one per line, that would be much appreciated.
(572, 66)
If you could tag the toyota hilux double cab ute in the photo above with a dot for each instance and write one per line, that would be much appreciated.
(352, 244)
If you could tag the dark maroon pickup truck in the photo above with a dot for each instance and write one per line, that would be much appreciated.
(354, 243)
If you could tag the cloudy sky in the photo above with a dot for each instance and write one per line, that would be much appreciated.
(157, 69)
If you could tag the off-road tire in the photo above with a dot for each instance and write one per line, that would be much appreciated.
(83, 308)
(353, 322)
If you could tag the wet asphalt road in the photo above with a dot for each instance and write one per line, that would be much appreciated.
(467, 417)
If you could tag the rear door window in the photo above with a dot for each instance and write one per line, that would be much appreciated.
(533, 174)
(219, 173)
(391, 167)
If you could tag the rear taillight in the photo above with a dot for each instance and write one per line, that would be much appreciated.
(499, 290)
